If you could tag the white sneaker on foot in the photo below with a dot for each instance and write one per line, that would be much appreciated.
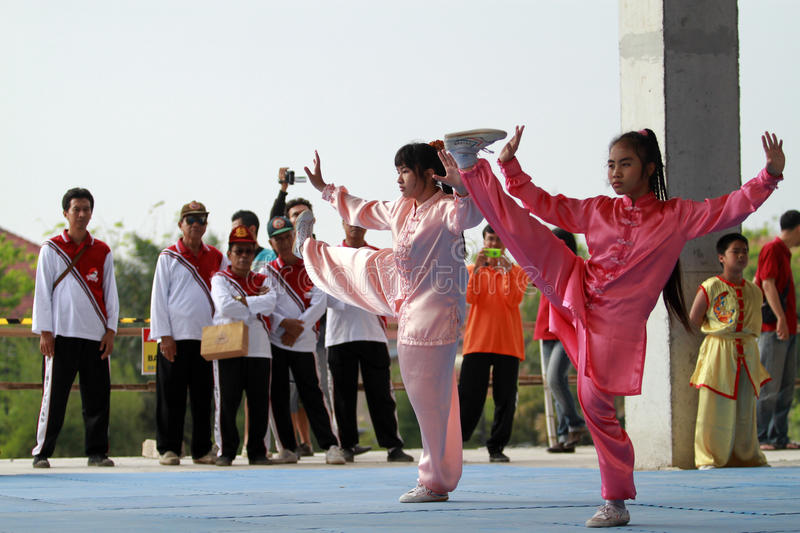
(422, 494)
(303, 228)
(609, 515)
(465, 145)
(284, 457)
(335, 456)
(169, 458)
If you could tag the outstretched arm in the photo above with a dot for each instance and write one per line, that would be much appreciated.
(715, 214)
(354, 210)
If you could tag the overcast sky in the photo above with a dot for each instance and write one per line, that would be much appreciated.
(151, 104)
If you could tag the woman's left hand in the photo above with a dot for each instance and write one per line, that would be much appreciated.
(452, 177)
(773, 148)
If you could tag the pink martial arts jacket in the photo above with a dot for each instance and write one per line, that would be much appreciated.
(422, 280)
(633, 249)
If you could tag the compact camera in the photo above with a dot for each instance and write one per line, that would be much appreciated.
(291, 179)
(492, 252)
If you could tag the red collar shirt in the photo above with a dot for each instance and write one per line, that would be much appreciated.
(296, 298)
(775, 262)
(85, 303)
(237, 299)
(180, 303)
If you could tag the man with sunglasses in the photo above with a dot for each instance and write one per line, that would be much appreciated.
(180, 307)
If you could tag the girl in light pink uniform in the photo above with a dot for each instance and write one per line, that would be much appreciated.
(422, 281)
(599, 306)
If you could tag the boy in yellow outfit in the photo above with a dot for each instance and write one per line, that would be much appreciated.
(728, 374)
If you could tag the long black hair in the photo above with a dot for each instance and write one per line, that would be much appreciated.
(645, 144)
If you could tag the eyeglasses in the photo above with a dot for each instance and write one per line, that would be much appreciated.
(195, 220)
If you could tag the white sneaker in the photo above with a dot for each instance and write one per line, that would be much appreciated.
(284, 457)
(422, 494)
(609, 515)
(169, 458)
(706, 467)
(465, 145)
(335, 455)
(303, 228)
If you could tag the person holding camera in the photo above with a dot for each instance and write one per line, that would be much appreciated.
(292, 209)
(492, 341)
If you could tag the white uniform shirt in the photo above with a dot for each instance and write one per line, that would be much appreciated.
(180, 303)
(227, 308)
(290, 304)
(348, 323)
(71, 310)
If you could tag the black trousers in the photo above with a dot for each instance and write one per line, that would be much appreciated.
(249, 375)
(304, 370)
(373, 358)
(472, 386)
(74, 356)
(189, 372)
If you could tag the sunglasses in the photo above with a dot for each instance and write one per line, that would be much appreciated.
(195, 220)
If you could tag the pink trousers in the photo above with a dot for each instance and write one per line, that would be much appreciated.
(555, 270)
(429, 378)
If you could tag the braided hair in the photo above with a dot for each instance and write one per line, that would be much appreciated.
(645, 144)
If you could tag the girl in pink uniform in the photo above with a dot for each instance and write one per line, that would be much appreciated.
(634, 242)
(422, 281)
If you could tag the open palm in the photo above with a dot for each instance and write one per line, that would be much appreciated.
(773, 149)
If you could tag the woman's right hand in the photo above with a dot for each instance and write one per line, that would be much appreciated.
(510, 149)
(315, 177)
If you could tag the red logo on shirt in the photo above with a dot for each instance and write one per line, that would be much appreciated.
(93, 276)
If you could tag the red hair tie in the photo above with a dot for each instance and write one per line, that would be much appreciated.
(643, 132)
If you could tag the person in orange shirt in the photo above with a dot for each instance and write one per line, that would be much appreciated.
(492, 340)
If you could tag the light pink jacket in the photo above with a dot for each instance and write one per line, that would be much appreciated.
(422, 280)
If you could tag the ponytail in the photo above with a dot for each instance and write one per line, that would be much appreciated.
(645, 144)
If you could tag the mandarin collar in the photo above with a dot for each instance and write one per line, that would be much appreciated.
(730, 283)
(429, 202)
(645, 201)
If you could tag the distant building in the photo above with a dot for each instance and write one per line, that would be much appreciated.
(24, 309)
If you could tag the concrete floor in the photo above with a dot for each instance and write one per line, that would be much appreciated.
(537, 491)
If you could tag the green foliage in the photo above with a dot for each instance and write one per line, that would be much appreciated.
(132, 413)
(14, 284)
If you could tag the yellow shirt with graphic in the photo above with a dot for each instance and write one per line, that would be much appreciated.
(732, 325)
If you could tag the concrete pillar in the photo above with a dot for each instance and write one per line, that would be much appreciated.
(679, 74)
